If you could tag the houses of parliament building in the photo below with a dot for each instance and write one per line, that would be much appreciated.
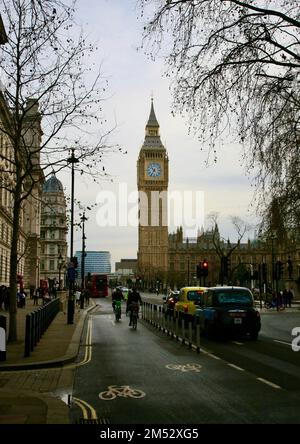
(170, 260)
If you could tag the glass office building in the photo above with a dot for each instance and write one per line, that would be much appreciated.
(95, 262)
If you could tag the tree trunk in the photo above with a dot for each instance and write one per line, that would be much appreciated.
(12, 335)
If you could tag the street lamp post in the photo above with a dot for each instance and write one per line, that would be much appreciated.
(60, 262)
(83, 219)
(272, 238)
(72, 160)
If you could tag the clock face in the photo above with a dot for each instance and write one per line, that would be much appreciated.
(154, 170)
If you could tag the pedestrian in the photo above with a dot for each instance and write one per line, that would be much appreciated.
(77, 297)
(6, 298)
(290, 297)
(1, 296)
(19, 297)
(157, 291)
(36, 297)
(31, 291)
(46, 296)
(87, 296)
(285, 297)
(82, 298)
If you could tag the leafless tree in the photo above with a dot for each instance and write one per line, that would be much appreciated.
(224, 248)
(53, 101)
(235, 66)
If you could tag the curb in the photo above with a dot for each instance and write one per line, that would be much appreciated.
(70, 355)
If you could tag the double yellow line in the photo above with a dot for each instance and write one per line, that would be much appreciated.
(86, 408)
(88, 345)
(83, 405)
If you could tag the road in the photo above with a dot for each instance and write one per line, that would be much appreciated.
(145, 377)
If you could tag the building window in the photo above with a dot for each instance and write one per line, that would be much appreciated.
(42, 265)
(52, 249)
(51, 264)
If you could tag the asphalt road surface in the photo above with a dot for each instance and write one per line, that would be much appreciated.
(145, 377)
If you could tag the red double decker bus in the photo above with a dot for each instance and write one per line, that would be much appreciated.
(98, 285)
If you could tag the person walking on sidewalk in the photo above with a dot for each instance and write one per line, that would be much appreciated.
(36, 295)
(290, 297)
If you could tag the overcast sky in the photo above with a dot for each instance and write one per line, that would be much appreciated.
(115, 25)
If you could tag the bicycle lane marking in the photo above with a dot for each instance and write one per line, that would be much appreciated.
(235, 367)
(185, 367)
(123, 391)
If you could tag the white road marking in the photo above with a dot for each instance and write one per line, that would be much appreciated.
(265, 381)
(185, 367)
(235, 366)
(214, 356)
(283, 342)
(237, 343)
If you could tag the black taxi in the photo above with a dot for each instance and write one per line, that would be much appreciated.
(228, 311)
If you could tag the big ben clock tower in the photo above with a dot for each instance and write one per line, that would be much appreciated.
(152, 181)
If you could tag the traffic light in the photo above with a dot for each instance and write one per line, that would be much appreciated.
(199, 270)
(205, 268)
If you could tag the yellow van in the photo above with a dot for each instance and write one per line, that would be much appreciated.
(189, 299)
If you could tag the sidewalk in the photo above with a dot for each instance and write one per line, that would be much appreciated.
(26, 397)
(295, 308)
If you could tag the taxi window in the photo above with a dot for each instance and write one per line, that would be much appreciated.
(236, 297)
(195, 295)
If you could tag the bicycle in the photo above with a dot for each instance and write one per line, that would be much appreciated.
(118, 310)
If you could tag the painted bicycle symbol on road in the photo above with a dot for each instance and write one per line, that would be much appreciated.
(185, 367)
(123, 391)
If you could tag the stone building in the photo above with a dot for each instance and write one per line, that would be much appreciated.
(28, 244)
(32, 204)
(53, 233)
(6, 201)
(171, 260)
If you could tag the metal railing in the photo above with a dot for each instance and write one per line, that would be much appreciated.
(37, 323)
(187, 332)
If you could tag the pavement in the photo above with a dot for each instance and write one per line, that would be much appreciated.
(35, 389)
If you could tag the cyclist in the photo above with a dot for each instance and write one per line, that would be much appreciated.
(117, 296)
(134, 298)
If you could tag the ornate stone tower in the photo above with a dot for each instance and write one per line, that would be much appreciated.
(53, 233)
(152, 181)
